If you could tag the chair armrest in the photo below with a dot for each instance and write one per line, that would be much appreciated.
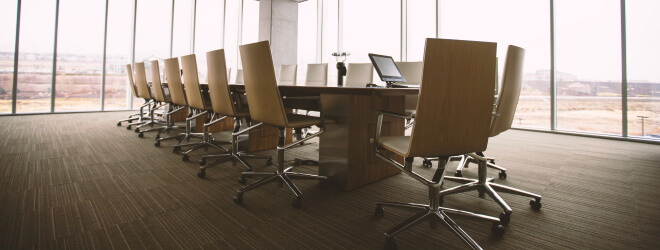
(396, 114)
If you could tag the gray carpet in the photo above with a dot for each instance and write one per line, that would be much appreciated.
(79, 181)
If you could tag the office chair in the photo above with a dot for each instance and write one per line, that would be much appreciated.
(317, 74)
(163, 98)
(226, 104)
(199, 106)
(137, 116)
(359, 74)
(412, 72)
(501, 121)
(288, 74)
(453, 117)
(266, 106)
(142, 87)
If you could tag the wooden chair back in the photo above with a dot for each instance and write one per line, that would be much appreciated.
(174, 84)
(260, 84)
(129, 73)
(288, 74)
(191, 82)
(156, 85)
(507, 100)
(141, 81)
(218, 86)
(455, 98)
(239, 76)
(317, 74)
(359, 74)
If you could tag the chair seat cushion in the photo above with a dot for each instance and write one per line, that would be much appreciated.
(396, 144)
(298, 121)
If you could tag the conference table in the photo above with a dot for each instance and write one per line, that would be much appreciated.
(346, 153)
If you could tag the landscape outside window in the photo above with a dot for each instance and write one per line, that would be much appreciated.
(7, 45)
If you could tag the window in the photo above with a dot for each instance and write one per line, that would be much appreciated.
(35, 58)
(152, 34)
(499, 21)
(329, 42)
(231, 37)
(118, 53)
(382, 23)
(307, 37)
(208, 32)
(79, 55)
(588, 62)
(183, 21)
(7, 46)
(250, 25)
(643, 38)
(420, 25)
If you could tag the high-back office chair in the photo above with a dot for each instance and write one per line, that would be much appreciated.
(143, 91)
(288, 74)
(359, 74)
(503, 117)
(137, 116)
(266, 107)
(317, 74)
(226, 104)
(178, 96)
(199, 106)
(453, 117)
(162, 97)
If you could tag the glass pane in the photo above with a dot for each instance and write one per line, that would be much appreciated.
(375, 31)
(208, 32)
(588, 60)
(35, 58)
(643, 38)
(307, 26)
(152, 34)
(329, 43)
(250, 28)
(118, 53)
(499, 21)
(421, 25)
(231, 38)
(79, 55)
(7, 45)
(183, 18)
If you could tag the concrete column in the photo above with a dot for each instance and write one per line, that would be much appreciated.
(278, 23)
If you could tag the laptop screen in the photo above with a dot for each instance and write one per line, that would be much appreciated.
(386, 68)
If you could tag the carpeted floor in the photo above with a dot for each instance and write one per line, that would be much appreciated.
(79, 181)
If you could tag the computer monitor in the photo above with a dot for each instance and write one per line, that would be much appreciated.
(386, 68)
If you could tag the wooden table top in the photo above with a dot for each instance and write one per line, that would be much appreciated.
(347, 90)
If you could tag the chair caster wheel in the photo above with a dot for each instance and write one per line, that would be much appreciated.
(137, 130)
(157, 143)
(505, 218)
(238, 199)
(184, 158)
(269, 162)
(497, 229)
(427, 164)
(390, 244)
(502, 175)
(297, 203)
(535, 204)
(128, 128)
(176, 149)
(242, 180)
(119, 124)
(458, 174)
(201, 173)
(380, 211)
(141, 135)
(202, 162)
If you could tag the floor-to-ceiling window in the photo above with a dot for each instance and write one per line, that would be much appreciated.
(643, 67)
(209, 25)
(79, 66)
(250, 22)
(35, 57)
(420, 25)
(152, 34)
(231, 37)
(183, 23)
(500, 22)
(329, 37)
(375, 31)
(588, 63)
(119, 44)
(7, 46)
(307, 36)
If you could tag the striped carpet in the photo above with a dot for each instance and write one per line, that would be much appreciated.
(79, 181)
